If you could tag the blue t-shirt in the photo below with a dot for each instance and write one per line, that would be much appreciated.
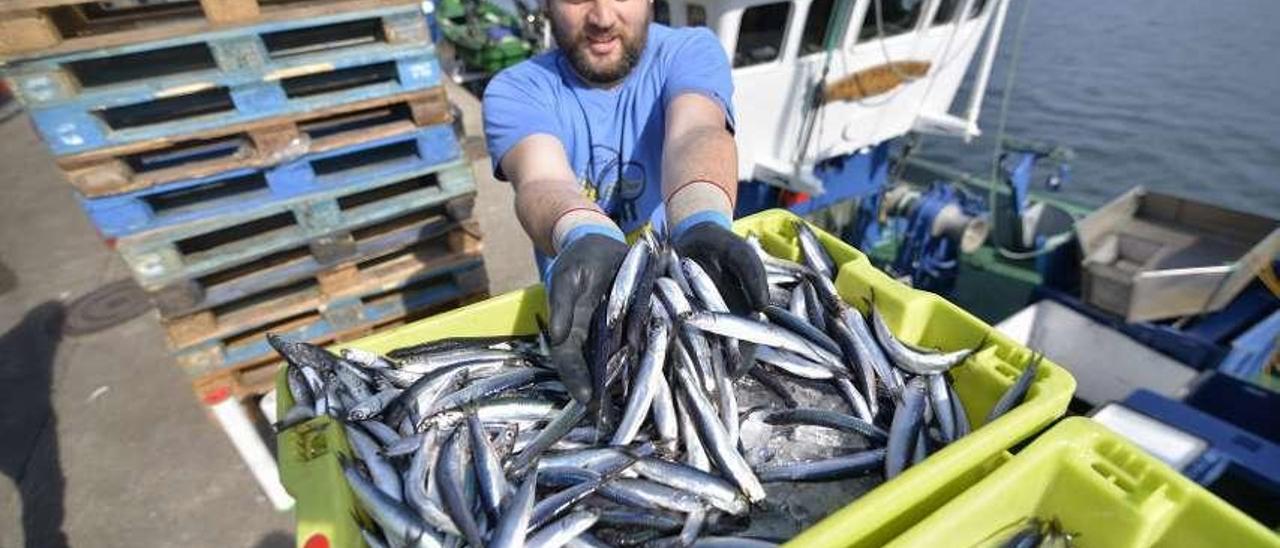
(609, 132)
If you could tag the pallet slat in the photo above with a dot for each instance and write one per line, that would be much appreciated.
(80, 127)
(298, 263)
(30, 29)
(245, 189)
(332, 288)
(269, 142)
(323, 221)
(347, 321)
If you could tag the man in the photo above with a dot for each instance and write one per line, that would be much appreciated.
(626, 122)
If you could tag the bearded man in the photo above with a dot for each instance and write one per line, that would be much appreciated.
(627, 122)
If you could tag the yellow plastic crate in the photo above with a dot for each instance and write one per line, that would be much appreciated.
(1096, 484)
(311, 474)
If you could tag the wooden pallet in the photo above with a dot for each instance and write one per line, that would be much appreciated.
(299, 263)
(247, 189)
(256, 378)
(31, 28)
(351, 320)
(161, 257)
(329, 290)
(93, 122)
(260, 144)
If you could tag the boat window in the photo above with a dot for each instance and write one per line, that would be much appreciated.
(760, 34)
(947, 10)
(815, 36)
(897, 17)
(977, 7)
(695, 15)
(661, 12)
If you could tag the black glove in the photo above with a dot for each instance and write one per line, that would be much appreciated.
(580, 279)
(730, 262)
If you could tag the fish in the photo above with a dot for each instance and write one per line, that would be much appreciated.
(474, 440)
(1018, 390)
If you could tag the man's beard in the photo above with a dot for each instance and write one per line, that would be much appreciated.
(575, 48)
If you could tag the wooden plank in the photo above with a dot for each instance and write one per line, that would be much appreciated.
(27, 30)
(230, 11)
(224, 12)
(344, 282)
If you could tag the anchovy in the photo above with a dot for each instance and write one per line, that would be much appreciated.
(427, 363)
(912, 360)
(705, 290)
(303, 354)
(663, 411)
(846, 466)
(513, 526)
(415, 488)
(858, 358)
(797, 305)
(556, 504)
(716, 440)
(813, 305)
(367, 450)
(493, 484)
(940, 403)
(855, 399)
(958, 413)
(373, 405)
(679, 306)
(564, 421)
(815, 256)
(1016, 392)
(624, 282)
(453, 343)
(365, 358)
(299, 387)
(642, 390)
(904, 431)
(624, 516)
(385, 435)
(758, 332)
(489, 387)
(828, 419)
(727, 402)
(451, 472)
(802, 327)
(559, 533)
(774, 385)
(715, 490)
(796, 365)
(399, 523)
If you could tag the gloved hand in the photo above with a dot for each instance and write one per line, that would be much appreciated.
(728, 260)
(579, 280)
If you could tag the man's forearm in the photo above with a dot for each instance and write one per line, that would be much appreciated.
(550, 210)
(699, 173)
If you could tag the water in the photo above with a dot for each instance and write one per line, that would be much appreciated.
(1180, 96)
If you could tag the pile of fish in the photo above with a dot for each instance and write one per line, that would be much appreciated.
(704, 428)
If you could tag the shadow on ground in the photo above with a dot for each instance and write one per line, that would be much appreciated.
(28, 426)
(275, 539)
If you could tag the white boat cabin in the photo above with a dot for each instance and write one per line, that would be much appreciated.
(890, 66)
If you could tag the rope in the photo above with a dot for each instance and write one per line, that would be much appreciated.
(1004, 109)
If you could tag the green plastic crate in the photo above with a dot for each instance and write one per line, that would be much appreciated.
(1098, 485)
(311, 474)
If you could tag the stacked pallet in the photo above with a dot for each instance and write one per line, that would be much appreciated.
(283, 167)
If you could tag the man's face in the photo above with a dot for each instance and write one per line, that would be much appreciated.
(602, 38)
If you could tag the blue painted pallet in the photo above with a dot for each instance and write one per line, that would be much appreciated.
(221, 78)
(299, 263)
(338, 320)
(324, 221)
(240, 190)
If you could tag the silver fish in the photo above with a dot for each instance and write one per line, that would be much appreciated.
(625, 281)
(712, 433)
(760, 333)
(642, 390)
(368, 451)
(560, 532)
(396, 520)
(1016, 392)
(513, 526)
(910, 359)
